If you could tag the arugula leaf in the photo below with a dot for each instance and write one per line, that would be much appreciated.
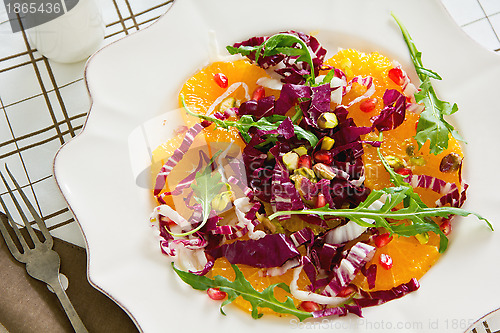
(402, 193)
(281, 43)
(432, 126)
(206, 186)
(241, 287)
(246, 122)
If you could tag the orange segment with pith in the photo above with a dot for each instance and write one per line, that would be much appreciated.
(259, 282)
(202, 92)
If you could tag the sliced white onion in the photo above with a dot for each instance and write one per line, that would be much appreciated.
(241, 207)
(232, 88)
(351, 230)
(310, 296)
(270, 83)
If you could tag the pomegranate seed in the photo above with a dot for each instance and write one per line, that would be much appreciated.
(404, 171)
(305, 161)
(416, 125)
(382, 239)
(347, 290)
(310, 306)
(206, 123)
(320, 201)
(221, 80)
(216, 294)
(258, 93)
(324, 157)
(396, 75)
(368, 105)
(445, 226)
(385, 261)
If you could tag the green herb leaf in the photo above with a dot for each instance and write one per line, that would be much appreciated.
(279, 44)
(246, 122)
(414, 210)
(241, 287)
(206, 186)
(431, 126)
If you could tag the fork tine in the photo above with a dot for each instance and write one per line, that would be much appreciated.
(27, 224)
(39, 221)
(41, 224)
(13, 225)
(5, 220)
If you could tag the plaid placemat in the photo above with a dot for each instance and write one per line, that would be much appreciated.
(44, 104)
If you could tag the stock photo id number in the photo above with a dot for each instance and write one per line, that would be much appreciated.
(25, 14)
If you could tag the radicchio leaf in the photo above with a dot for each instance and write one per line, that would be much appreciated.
(393, 114)
(269, 251)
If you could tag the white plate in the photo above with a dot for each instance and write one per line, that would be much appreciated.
(138, 78)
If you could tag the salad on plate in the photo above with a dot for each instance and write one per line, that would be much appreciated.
(308, 185)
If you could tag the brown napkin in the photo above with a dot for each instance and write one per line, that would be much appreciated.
(26, 305)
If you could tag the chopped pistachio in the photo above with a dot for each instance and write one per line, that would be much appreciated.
(422, 238)
(301, 150)
(328, 120)
(450, 163)
(221, 200)
(327, 143)
(410, 150)
(417, 160)
(291, 160)
(306, 172)
(227, 103)
(395, 162)
(268, 224)
(297, 179)
(323, 171)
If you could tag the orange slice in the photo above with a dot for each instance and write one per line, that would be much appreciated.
(259, 282)
(410, 259)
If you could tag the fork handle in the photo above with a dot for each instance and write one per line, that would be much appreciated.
(73, 316)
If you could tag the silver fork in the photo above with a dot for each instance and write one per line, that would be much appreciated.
(42, 263)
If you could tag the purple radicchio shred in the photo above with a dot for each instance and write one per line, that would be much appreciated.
(178, 154)
(264, 62)
(264, 107)
(208, 266)
(329, 256)
(291, 71)
(347, 132)
(344, 192)
(319, 104)
(258, 173)
(358, 256)
(393, 114)
(371, 275)
(290, 95)
(302, 236)
(286, 128)
(309, 269)
(378, 297)
(256, 252)
(187, 181)
(340, 311)
(450, 193)
(284, 195)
